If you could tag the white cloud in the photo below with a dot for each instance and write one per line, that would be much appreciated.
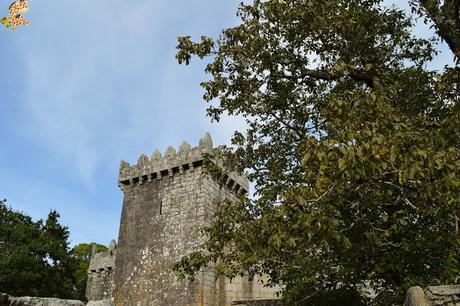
(102, 81)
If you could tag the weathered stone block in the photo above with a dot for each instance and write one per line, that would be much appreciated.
(7, 300)
(443, 295)
(100, 303)
(415, 296)
(433, 296)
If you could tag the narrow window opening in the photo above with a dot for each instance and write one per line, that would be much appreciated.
(161, 208)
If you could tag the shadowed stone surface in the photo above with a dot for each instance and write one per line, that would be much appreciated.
(270, 302)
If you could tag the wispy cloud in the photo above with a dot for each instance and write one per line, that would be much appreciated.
(101, 78)
(93, 82)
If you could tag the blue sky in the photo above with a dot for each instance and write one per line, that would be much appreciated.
(89, 83)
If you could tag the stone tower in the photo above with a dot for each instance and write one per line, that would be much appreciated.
(167, 198)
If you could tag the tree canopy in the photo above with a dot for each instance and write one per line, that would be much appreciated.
(352, 142)
(35, 258)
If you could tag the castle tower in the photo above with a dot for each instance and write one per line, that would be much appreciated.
(167, 198)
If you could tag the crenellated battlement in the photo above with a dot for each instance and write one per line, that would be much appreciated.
(103, 261)
(172, 162)
(167, 200)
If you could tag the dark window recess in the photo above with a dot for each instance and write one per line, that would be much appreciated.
(197, 163)
(161, 208)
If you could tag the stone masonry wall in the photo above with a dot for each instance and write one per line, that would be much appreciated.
(101, 271)
(8, 300)
(243, 289)
(160, 221)
(167, 199)
(267, 302)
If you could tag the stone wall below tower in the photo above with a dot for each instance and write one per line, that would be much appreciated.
(8, 300)
(101, 274)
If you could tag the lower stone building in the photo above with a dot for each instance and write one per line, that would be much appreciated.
(101, 274)
(167, 199)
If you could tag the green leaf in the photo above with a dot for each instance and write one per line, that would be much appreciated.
(342, 164)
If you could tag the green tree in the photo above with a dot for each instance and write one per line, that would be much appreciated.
(21, 255)
(352, 144)
(34, 256)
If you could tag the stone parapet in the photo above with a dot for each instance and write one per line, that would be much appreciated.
(171, 162)
(8, 300)
(102, 261)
